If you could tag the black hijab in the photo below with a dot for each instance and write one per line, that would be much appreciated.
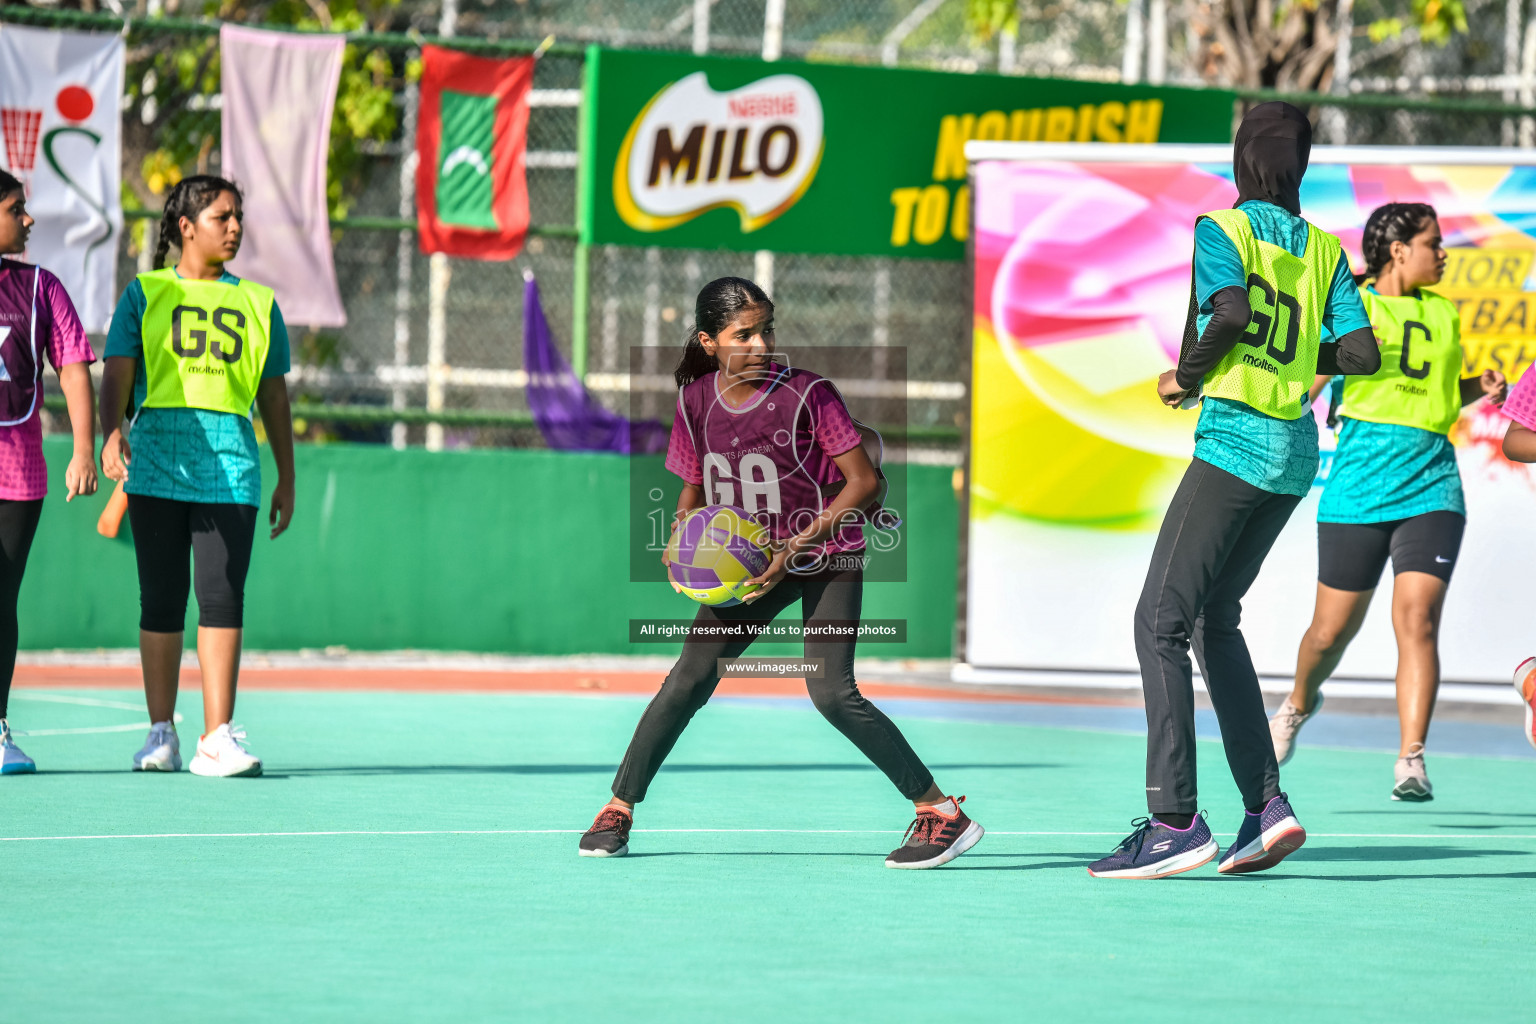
(1270, 155)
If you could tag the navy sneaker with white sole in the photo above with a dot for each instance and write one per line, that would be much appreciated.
(1156, 850)
(1265, 839)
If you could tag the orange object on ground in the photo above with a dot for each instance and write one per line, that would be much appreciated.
(112, 515)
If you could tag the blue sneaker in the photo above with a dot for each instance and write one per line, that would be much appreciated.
(1157, 850)
(1265, 839)
(12, 760)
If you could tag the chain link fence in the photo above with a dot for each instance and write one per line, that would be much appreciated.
(638, 297)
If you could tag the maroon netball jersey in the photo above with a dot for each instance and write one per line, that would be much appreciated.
(771, 456)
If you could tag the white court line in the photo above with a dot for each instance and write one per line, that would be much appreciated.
(660, 831)
(90, 702)
(84, 730)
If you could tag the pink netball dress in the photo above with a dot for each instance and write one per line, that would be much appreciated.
(1520, 406)
(37, 322)
(772, 456)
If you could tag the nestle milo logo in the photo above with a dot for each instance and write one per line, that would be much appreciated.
(691, 149)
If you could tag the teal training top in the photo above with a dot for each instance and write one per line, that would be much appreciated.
(1275, 455)
(190, 454)
(1383, 472)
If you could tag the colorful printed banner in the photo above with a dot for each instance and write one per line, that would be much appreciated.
(708, 153)
(60, 96)
(279, 89)
(1081, 288)
(471, 182)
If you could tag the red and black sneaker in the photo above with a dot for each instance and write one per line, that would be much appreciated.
(609, 834)
(935, 838)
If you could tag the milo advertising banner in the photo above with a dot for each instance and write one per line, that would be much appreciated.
(709, 152)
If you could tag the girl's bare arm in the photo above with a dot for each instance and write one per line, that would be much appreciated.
(1520, 443)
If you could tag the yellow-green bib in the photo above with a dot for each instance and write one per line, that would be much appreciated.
(205, 342)
(1418, 384)
(1275, 361)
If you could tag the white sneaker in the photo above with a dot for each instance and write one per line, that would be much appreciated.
(162, 750)
(1286, 724)
(12, 760)
(221, 754)
(1412, 782)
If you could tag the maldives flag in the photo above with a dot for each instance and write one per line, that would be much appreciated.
(471, 183)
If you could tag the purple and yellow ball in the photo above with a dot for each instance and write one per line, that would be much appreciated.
(714, 552)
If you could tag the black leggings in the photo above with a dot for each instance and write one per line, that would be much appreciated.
(219, 538)
(825, 597)
(18, 525)
(1213, 541)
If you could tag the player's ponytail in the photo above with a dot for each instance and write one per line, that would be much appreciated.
(8, 183)
(1393, 222)
(188, 198)
(719, 303)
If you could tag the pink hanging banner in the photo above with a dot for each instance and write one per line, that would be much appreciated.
(279, 88)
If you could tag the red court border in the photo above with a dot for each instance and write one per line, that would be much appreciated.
(588, 682)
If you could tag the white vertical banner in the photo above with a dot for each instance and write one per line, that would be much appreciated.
(60, 114)
(279, 89)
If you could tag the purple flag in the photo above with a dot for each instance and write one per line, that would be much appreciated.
(567, 416)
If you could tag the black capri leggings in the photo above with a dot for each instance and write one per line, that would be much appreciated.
(18, 525)
(219, 538)
(825, 597)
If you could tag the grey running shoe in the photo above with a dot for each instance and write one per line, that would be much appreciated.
(609, 834)
(1286, 724)
(1412, 781)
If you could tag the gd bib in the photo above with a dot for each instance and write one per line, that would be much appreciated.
(1275, 361)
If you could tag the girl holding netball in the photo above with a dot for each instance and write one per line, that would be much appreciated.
(190, 348)
(37, 321)
(785, 438)
(1266, 284)
(1394, 490)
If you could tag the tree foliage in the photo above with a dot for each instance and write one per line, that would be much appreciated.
(173, 130)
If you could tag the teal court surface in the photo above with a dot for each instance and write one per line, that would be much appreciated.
(412, 856)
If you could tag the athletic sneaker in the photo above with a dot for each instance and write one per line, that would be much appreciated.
(1286, 724)
(609, 834)
(1265, 839)
(935, 837)
(222, 754)
(1412, 782)
(162, 750)
(1525, 682)
(1156, 850)
(12, 760)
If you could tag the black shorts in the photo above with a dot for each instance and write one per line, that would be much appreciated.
(1350, 556)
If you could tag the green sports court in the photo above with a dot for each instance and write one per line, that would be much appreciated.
(412, 856)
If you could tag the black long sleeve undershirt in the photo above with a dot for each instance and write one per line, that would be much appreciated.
(1355, 353)
(1229, 319)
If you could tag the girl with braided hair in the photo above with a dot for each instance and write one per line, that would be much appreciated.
(190, 348)
(1394, 490)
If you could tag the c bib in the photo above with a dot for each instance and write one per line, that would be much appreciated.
(1418, 384)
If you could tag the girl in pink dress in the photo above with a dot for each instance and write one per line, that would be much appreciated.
(37, 321)
(778, 442)
(1520, 446)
